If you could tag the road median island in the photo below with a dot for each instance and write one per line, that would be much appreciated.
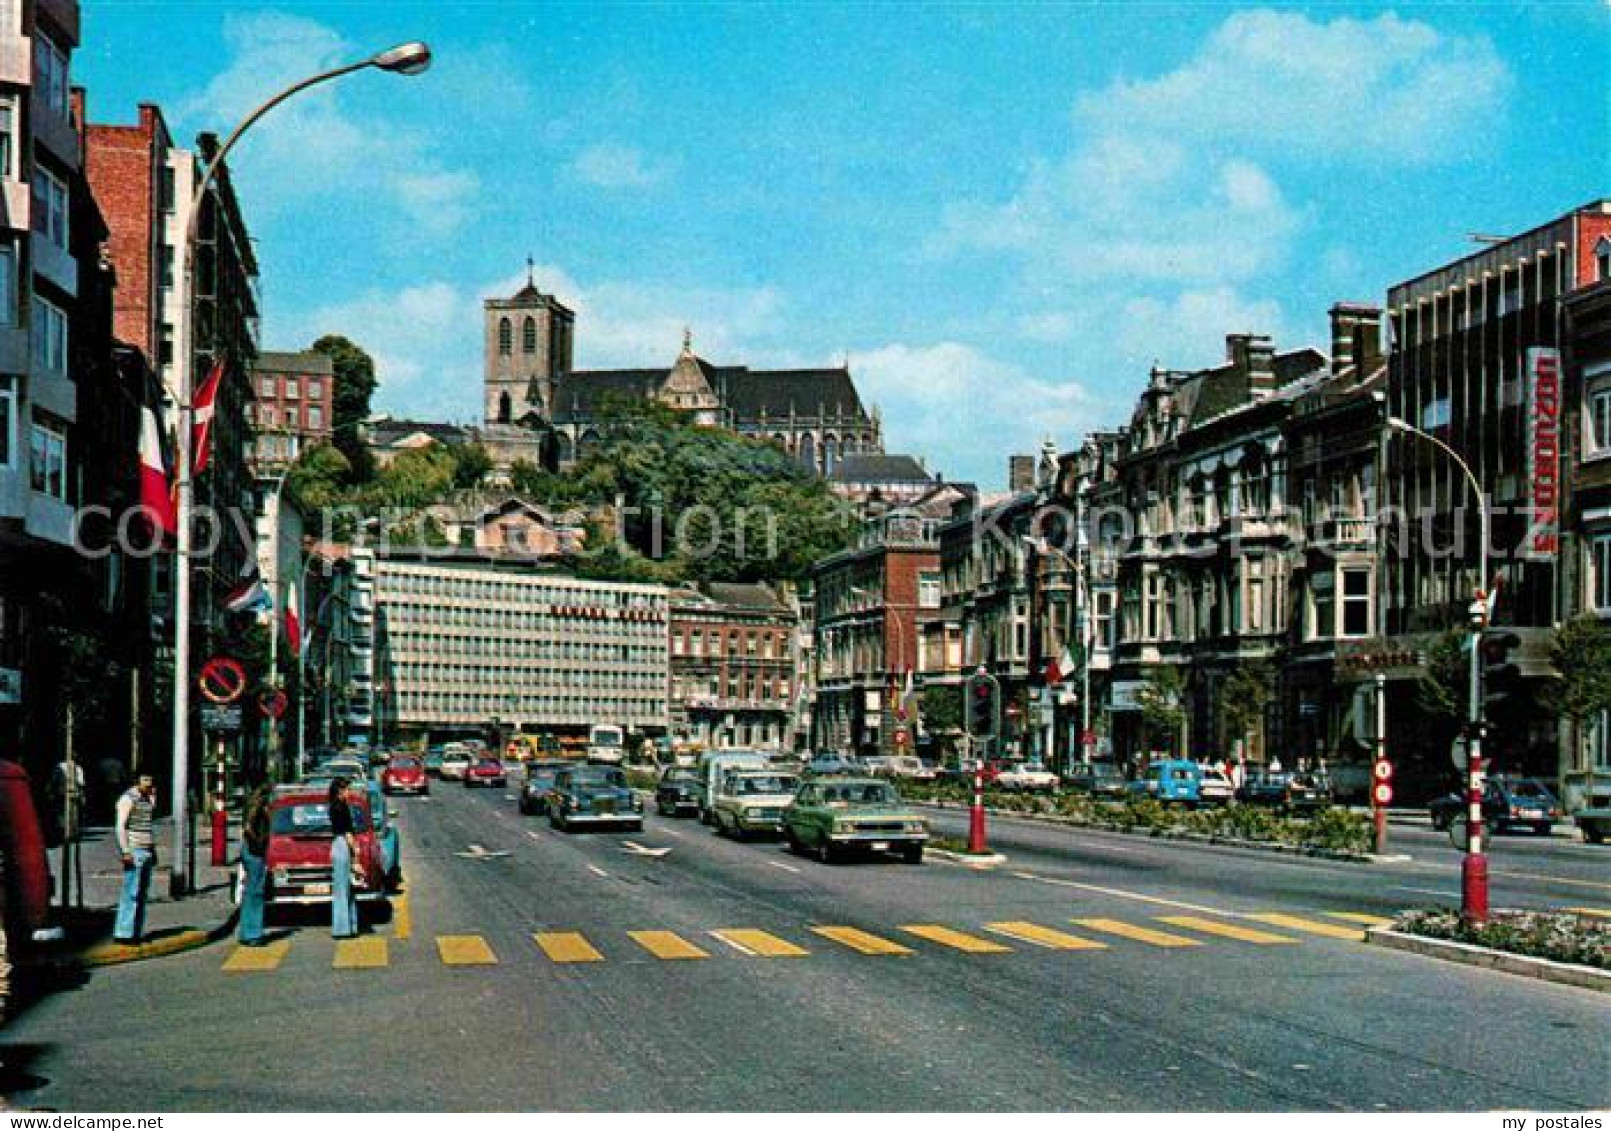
(1553, 946)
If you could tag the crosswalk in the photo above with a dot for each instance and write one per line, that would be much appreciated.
(905, 940)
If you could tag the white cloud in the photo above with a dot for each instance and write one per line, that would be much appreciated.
(318, 137)
(608, 165)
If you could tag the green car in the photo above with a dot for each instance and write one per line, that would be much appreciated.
(833, 817)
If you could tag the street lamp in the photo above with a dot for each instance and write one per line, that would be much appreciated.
(1474, 868)
(408, 59)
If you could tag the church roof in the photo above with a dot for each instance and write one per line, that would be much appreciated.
(868, 467)
(746, 393)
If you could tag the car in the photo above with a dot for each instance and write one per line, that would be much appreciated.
(455, 761)
(1169, 780)
(909, 767)
(298, 858)
(405, 773)
(714, 764)
(878, 765)
(1295, 793)
(1506, 802)
(433, 762)
(486, 771)
(1099, 779)
(824, 765)
(25, 896)
(387, 836)
(752, 801)
(835, 816)
(677, 792)
(1215, 787)
(1027, 776)
(538, 789)
(594, 795)
(345, 766)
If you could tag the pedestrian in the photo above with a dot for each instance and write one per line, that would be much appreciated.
(139, 851)
(343, 852)
(254, 863)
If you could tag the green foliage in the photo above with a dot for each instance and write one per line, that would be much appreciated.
(319, 478)
(1442, 687)
(941, 709)
(1162, 703)
(1244, 698)
(471, 462)
(1580, 651)
(1560, 936)
(354, 386)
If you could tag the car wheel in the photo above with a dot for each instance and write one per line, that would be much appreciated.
(1544, 828)
(553, 820)
(825, 852)
(525, 809)
(635, 826)
(912, 854)
(1594, 832)
(792, 841)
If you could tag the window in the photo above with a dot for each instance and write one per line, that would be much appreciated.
(265, 387)
(315, 389)
(1602, 258)
(8, 137)
(315, 416)
(50, 336)
(928, 590)
(1104, 620)
(528, 336)
(1323, 617)
(8, 285)
(1601, 549)
(506, 337)
(47, 460)
(1356, 602)
(50, 73)
(50, 207)
(1255, 604)
(167, 265)
(293, 389)
(8, 420)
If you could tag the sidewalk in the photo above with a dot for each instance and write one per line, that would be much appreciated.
(171, 926)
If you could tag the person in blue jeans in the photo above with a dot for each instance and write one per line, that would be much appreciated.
(343, 851)
(137, 846)
(254, 862)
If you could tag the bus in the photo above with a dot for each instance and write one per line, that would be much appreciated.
(606, 743)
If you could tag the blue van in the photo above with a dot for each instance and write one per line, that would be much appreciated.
(1170, 780)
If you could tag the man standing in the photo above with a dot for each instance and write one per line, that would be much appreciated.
(135, 843)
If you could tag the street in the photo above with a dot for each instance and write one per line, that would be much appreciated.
(526, 969)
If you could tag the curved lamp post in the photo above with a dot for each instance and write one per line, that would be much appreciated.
(404, 59)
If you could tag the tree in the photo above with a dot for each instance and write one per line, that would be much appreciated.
(354, 386)
(470, 466)
(941, 709)
(1442, 689)
(319, 476)
(1243, 699)
(1580, 689)
(1161, 700)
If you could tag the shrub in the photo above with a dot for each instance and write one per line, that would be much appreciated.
(1556, 935)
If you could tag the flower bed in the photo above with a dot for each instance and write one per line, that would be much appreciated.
(1560, 936)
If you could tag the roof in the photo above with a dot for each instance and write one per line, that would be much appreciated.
(298, 361)
(748, 394)
(867, 467)
(749, 596)
(385, 431)
(1221, 389)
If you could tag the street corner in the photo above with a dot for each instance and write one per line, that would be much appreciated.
(159, 944)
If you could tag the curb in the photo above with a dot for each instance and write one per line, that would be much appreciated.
(181, 941)
(1544, 969)
(989, 860)
(1162, 834)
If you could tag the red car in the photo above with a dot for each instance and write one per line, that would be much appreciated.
(24, 872)
(486, 771)
(299, 848)
(405, 774)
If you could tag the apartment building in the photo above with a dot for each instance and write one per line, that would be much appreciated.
(733, 667)
(294, 406)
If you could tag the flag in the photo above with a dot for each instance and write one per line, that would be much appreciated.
(201, 429)
(910, 704)
(901, 700)
(250, 595)
(293, 622)
(156, 490)
(1061, 668)
(318, 619)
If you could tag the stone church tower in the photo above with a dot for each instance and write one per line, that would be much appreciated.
(527, 341)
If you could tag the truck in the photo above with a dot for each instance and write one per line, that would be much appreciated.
(712, 765)
(606, 744)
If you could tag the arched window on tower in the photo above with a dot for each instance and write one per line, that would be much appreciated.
(504, 408)
(506, 337)
(528, 336)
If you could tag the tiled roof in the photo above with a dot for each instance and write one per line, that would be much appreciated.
(872, 468)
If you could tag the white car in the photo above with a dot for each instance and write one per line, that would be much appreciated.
(752, 801)
(910, 768)
(455, 762)
(1027, 776)
(1215, 788)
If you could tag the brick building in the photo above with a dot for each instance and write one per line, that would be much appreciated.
(294, 407)
(733, 667)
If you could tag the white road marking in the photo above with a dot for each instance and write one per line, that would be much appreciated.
(1429, 891)
(637, 849)
(738, 946)
(785, 867)
(597, 871)
(479, 853)
(671, 832)
(1132, 895)
(534, 834)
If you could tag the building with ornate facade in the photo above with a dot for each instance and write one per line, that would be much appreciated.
(734, 672)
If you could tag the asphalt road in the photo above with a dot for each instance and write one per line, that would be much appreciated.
(1178, 996)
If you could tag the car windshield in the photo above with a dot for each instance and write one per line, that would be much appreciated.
(544, 774)
(490, 764)
(599, 777)
(405, 763)
(1527, 788)
(859, 793)
(680, 774)
(312, 818)
(769, 783)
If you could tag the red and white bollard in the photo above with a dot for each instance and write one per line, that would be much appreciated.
(1474, 868)
(976, 815)
(220, 854)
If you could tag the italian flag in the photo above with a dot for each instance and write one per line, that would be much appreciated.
(293, 621)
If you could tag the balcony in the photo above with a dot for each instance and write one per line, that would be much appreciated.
(1357, 533)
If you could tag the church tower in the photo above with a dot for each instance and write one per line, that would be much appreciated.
(527, 345)
(686, 389)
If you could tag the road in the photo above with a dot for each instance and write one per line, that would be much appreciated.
(529, 969)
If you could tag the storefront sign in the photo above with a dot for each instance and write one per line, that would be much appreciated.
(1543, 452)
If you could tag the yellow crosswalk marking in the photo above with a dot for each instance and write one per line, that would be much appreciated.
(363, 953)
(957, 940)
(859, 940)
(465, 950)
(257, 959)
(1358, 917)
(1225, 930)
(1043, 936)
(1310, 926)
(402, 918)
(759, 943)
(1139, 934)
(666, 944)
(1597, 912)
(567, 946)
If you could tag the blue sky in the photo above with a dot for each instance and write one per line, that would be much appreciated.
(1001, 213)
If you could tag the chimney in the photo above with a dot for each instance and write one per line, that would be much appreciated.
(1020, 473)
(1252, 356)
(1356, 337)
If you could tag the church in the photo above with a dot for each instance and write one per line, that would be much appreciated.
(540, 409)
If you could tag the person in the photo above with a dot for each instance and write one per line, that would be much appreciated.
(343, 851)
(254, 862)
(138, 849)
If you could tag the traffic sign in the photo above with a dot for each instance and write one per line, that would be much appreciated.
(1382, 793)
(900, 737)
(1382, 770)
(1087, 738)
(222, 679)
(221, 717)
(272, 703)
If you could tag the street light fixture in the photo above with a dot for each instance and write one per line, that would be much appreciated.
(408, 59)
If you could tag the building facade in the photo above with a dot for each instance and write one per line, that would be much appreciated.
(293, 407)
(733, 667)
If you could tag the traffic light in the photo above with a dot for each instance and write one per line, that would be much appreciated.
(1501, 675)
(981, 707)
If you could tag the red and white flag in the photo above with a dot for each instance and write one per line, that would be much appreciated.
(1060, 668)
(201, 430)
(156, 490)
(293, 621)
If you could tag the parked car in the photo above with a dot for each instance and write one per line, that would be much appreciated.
(387, 837)
(1215, 787)
(433, 761)
(594, 795)
(833, 817)
(455, 761)
(1099, 779)
(752, 801)
(824, 765)
(1295, 793)
(677, 792)
(909, 767)
(299, 848)
(878, 765)
(1027, 776)
(345, 766)
(537, 791)
(486, 771)
(405, 773)
(1171, 781)
(1506, 802)
(25, 884)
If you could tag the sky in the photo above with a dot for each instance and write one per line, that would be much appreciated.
(1001, 214)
